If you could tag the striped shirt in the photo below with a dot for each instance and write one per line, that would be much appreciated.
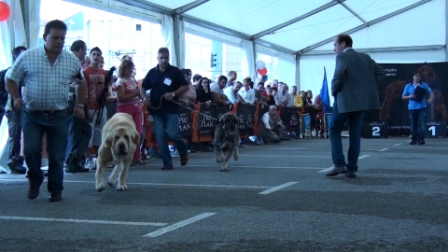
(47, 86)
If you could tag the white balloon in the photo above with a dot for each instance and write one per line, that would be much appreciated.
(260, 65)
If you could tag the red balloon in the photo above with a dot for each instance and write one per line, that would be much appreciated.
(5, 11)
(263, 71)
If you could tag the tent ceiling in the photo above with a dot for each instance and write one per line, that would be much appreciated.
(293, 25)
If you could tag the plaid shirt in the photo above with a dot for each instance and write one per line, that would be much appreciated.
(47, 86)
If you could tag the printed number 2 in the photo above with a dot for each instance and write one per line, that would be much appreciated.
(376, 131)
(433, 130)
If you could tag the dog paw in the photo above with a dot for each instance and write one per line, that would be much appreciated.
(224, 169)
(110, 183)
(99, 187)
(235, 157)
(122, 187)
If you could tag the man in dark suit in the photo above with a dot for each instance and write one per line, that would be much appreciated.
(354, 87)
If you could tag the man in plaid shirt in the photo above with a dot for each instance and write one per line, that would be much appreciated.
(46, 72)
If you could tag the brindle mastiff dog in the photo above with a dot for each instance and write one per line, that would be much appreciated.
(226, 139)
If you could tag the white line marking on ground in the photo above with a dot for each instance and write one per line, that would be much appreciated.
(330, 168)
(398, 144)
(157, 184)
(273, 189)
(253, 166)
(384, 149)
(178, 225)
(23, 218)
(327, 169)
(270, 156)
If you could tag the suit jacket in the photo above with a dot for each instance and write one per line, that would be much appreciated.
(354, 84)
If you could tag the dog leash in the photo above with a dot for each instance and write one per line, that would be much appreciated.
(180, 104)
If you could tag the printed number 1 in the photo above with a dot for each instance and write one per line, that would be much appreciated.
(433, 130)
(376, 131)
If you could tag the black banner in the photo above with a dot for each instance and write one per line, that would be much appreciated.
(221, 110)
(206, 122)
(185, 122)
(394, 110)
(290, 119)
(250, 109)
(242, 113)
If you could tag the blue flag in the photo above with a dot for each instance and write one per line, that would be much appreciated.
(325, 95)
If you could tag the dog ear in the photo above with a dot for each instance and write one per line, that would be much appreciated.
(108, 139)
(136, 138)
(222, 118)
(236, 120)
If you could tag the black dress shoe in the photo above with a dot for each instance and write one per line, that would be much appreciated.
(421, 142)
(336, 171)
(16, 167)
(78, 168)
(33, 192)
(55, 197)
(350, 174)
(18, 170)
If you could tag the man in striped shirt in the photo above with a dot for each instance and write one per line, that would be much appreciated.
(46, 72)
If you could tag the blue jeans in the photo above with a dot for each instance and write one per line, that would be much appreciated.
(354, 120)
(55, 125)
(14, 131)
(168, 125)
(79, 132)
(418, 119)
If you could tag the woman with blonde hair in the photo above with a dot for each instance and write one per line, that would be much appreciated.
(128, 96)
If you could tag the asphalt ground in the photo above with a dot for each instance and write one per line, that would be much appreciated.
(274, 198)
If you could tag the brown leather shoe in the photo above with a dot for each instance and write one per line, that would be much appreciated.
(33, 192)
(55, 197)
(183, 159)
(167, 168)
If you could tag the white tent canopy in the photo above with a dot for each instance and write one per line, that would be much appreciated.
(391, 31)
(299, 32)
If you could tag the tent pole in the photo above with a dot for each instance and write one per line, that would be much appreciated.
(446, 30)
(298, 71)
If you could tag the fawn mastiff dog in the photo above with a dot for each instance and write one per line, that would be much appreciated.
(226, 140)
(119, 141)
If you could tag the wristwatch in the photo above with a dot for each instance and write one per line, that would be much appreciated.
(173, 94)
(80, 105)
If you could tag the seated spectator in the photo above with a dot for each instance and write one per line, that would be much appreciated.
(272, 93)
(203, 92)
(232, 93)
(196, 79)
(282, 97)
(247, 93)
(261, 96)
(292, 94)
(217, 88)
(271, 128)
(188, 98)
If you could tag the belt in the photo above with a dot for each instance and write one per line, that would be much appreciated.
(47, 112)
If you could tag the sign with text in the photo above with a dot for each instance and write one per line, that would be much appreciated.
(375, 130)
(185, 122)
(206, 123)
(435, 129)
